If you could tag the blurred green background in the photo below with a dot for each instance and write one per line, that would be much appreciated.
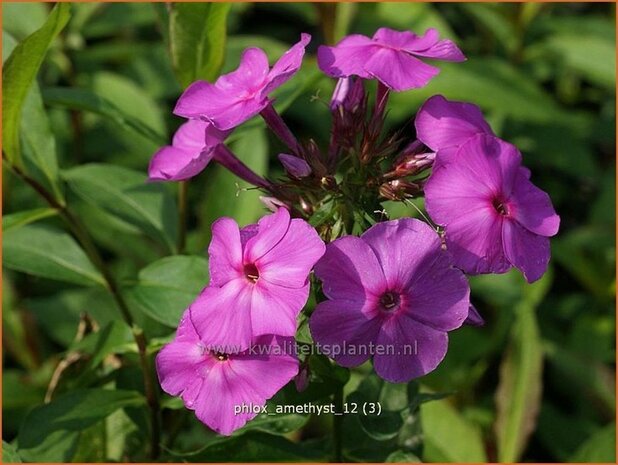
(536, 383)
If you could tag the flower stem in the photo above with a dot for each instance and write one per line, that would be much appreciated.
(183, 187)
(338, 425)
(226, 157)
(81, 234)
(281, 130)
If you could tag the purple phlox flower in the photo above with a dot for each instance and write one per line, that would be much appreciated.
(213, 384)
(295, 166)
(442, 123)
(393, 288)
(493, 216)
(240, 95)
(258, 279)
(348, 94)
(192, 149)
(389, 56)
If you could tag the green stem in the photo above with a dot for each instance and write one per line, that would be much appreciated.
(338, 425)
(81, 234)
(183, 187)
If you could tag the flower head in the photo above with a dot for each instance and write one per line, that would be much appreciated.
(192, 149)
(494, 217)
(392, 287)
(441, 123)
(240, 95)
(389, 56)
(258, 279)
(215, 384)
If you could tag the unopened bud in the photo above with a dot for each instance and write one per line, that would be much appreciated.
(399, 189)
(295, 166)
(302, 379)
(273, 203)
(348, 94)
(474, 317)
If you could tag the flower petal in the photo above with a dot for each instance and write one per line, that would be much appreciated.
(290, 261)
(415, 350)
(249, 77)
(441, 123)
(274, 308)
(398, 70)
(532, 207)
(222, 316)
(173, 164)
(287, 65)
(350, 270)
(525, 250)
(348, 57)
(438, 295)
(200, 99)
(225, 252)
(404, 248)
(475, 242)
(345, 330)
(271, 229)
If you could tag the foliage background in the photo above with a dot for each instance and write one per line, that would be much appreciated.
(544, 364)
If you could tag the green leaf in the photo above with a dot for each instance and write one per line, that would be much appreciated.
(18, 75)
(197, 34)
(449, 437)
(166, 287)
(16, 220)
(22, 19)
(599, 448)
(99, 345)
(277, 423)
(125, 193)
(9, 453)
(38, 143)
(87, 100)
(50, 253)
(518, 396)
(50, 432)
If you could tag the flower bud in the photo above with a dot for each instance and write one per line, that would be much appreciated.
(399, 189)
(302, 378)
(474, 317)
(295, 166)
(273, 203)
(348, 94)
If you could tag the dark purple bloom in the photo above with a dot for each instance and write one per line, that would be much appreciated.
(389, 56)
(494, 217)
(348, 94)
(258, 279)
(295, 166)
(240, 95)
(192, 149)
(393, 287)
(441, 124)
(216, 384)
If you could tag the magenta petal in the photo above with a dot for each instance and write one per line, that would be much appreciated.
(290, 261)
(222, 316)
(337, 324)
(225, 252)
(179, 362)
(532, 207)
(199, 99)
(173, 164)
(439, 295)
(406, 40)
(404, 248)
(249, 77)
(399, 71)
(441, 123)
(348, 57)
(418, 350)
(475, 242)
(287, 65)
(525, 250)
(271, 229)
(274, 308)
(350, 270)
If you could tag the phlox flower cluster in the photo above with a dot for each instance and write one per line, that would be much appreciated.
(377, 281)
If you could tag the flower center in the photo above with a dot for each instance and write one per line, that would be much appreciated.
(389, 301)
(221, 356)
(500, 206)
(251, 272)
